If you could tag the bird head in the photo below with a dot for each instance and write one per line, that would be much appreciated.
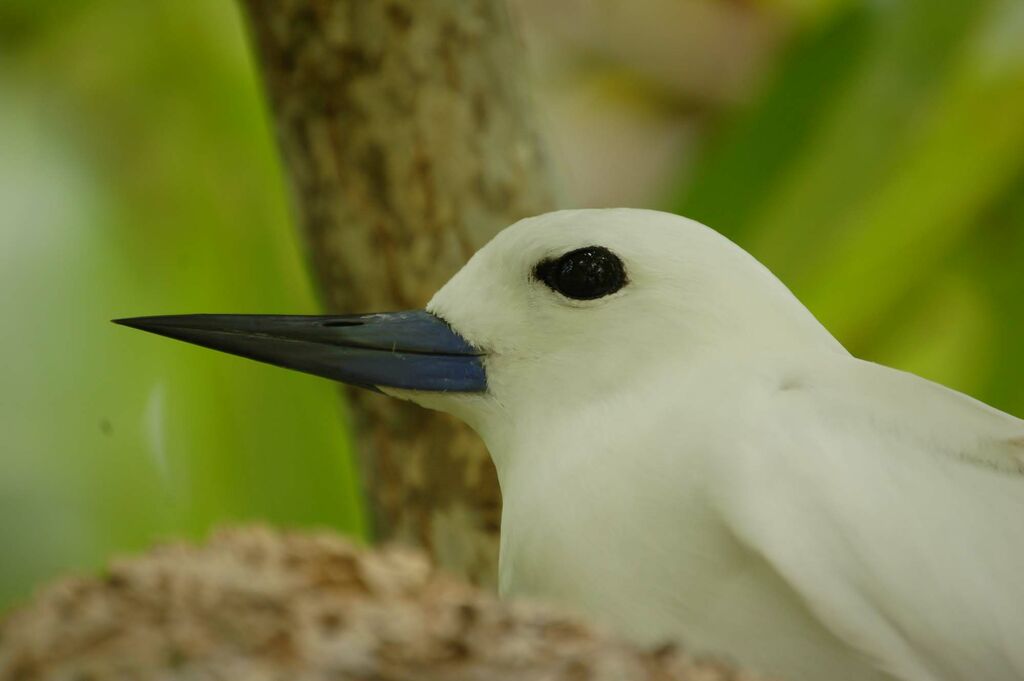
(557, 310)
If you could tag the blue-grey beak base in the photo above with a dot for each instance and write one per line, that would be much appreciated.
(411, 350)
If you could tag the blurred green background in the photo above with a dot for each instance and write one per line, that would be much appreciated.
(138, 176)
(870, 153)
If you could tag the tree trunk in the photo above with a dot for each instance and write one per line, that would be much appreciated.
(408, 138)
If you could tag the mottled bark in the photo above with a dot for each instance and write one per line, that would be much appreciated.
(259, 605)
(408, 140)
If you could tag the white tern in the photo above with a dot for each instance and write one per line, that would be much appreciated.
(684, 452)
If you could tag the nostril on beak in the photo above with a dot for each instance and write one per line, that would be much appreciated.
(342, 322)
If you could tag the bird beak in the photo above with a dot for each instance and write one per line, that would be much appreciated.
(412, 350)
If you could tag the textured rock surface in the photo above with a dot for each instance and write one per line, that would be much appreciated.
(257, 604)
(408, 141)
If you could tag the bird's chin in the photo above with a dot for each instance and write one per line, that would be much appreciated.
(468, 407)
(424, 398)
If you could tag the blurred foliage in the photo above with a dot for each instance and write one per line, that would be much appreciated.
(137, 176)
(880, 174)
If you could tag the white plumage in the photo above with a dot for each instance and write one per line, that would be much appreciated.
(695, 457)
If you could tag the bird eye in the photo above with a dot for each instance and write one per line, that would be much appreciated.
(583, 274)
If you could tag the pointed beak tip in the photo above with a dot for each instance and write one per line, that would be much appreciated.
(142, 323)
(124, 321)
(157, 324)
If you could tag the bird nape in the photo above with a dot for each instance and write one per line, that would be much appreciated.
(685, 453)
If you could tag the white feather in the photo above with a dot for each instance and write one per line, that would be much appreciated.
(696, 458)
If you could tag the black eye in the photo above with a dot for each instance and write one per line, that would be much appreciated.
(583, 274)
